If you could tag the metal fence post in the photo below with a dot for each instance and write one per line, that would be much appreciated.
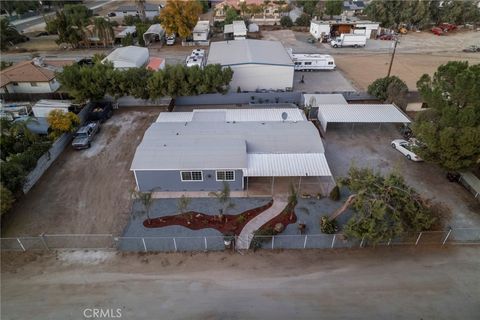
(175, 244)
(305, 242)
(446, 238)
(333, 240)
(418, 239)
(361, 243)
(206, 247)
(43, 241)
(21, 245)
(273, 241)
(144, 245)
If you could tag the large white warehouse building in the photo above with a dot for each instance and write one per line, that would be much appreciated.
(257, 64)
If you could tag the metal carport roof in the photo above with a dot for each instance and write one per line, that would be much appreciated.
(287, 165)
(360, 113)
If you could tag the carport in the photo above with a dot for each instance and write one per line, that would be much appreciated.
(276, 173)
(360, 113)
(154, 33)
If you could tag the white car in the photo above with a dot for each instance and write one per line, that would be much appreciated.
(405, 147)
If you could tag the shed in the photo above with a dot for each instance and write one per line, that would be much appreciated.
(201, 32)
(154, 33)
(257, 64)
(128, 57)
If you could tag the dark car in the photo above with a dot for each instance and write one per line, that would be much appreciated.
(111, 14)
(41, 34)
(101, 111)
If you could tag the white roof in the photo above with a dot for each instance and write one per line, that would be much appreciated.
(202, 26)
(127, 30)
(128, 57)
(228, 28)
(45, 103)
(287, 165)
(328, 98)
(360, 113)
(231, 115)
(248, 51)
(155, 29)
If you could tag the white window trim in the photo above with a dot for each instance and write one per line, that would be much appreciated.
(216, 175)
(181, 177)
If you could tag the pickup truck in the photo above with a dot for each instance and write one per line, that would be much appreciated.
(84, 136)
(101, 111)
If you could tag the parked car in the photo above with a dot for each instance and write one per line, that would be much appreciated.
(111, 14)
(437, 31)
(447, 27)
(170, 40)
(41, 34)
(405, 148)
(101, 111)
(473, 48)
(84, 136)
(387, 37)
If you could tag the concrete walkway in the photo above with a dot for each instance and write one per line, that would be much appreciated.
(246, 235)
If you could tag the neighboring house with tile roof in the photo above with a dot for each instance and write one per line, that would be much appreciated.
(36, 76)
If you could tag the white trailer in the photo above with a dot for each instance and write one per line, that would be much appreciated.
(349, 40)
(42, 108)
(303, 62)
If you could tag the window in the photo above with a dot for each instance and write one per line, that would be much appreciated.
(15, 83)
(330, 62)
(298, 63)
(33, 84)
(226, 175)
(308, 63)
(191, 175)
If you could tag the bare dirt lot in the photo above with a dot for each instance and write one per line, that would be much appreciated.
(417, 53)
(387, 283)
(85, 191)
(369, 146)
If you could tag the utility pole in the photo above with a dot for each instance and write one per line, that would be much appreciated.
(393, 56)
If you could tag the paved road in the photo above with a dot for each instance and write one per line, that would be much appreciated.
(33, 21)
(392, 283)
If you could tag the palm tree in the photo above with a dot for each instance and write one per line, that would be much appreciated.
(223, 197)
(146, 200)
(104, 30)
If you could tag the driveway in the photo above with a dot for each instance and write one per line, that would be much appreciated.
(386, 283)
(369, 146)
(321, 81)
(85, 191)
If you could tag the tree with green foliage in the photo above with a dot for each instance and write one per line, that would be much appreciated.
(86, 82)
(204, 5)
(5, 64)
(385, 207)
(8, 34)
(141, 28)
(310, 7)
(223, 197)
(6, 200)
(19, 7)
(391, 90)
(450, 128)
(286, 22)
(333, 7)
(70, 24)
(180, 17)
(303, 20)
(231, 15)
(128, 40)
(104, 31)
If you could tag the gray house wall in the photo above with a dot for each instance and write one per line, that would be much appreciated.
(171, 181)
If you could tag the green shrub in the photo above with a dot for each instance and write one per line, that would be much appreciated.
(328, 226)
(12, 175)
(335, 194)
(286, 22)
(303, 20)
(390, 89)
(6, 200)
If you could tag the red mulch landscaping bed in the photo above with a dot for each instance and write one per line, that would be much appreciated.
(229, 225)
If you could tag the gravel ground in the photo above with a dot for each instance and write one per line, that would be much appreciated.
(186, 239)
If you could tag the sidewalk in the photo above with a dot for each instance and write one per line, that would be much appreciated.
(246, 235)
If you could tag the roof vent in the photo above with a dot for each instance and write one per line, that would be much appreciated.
(38, 61)
(177, 133)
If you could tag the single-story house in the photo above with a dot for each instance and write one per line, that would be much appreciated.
(128, 57)
(200, 150)
(332, 28)
(257, 64)
(201, 32)
(237, 30)
(36, 76)
(154, 33)
(151, 10)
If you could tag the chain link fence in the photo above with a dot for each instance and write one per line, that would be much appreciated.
(218, 243)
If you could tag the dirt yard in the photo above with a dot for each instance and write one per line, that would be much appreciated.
(85, 191)
(383, 283)
(362, 70)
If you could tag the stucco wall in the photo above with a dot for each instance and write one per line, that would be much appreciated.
(250, 77)
(171, 181)
(26, 87)
(316, 30)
